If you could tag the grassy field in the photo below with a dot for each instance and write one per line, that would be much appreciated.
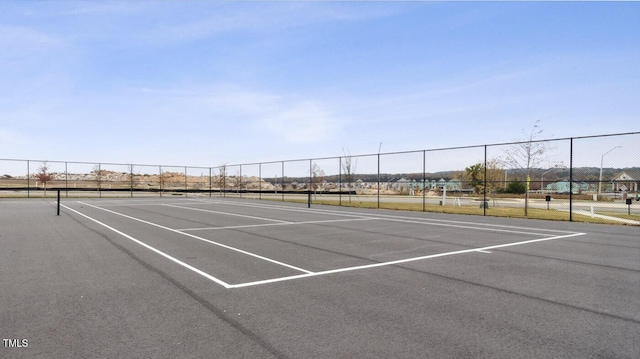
(533, 213)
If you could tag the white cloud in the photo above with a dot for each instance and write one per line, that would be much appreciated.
(223, 18)
(17, 42)
(302, 122)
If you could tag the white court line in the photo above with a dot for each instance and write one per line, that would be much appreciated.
(286, 209)
(333, 271)
(307, 273)
(200, 238)
(276, 224)
(481, 251)
(173, 259)
(402, 219)
(226, 213)
(429, 221)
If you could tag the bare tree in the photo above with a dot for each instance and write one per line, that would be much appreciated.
(99, 173)
(318, 178)
(221, 179)
(495, 175)
(133, 178)
(349, 165)
(237, 182)
(526, 155)
(44, 176)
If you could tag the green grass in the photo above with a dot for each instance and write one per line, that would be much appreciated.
(510, 212)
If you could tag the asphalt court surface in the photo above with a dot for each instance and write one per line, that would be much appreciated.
(242, 243)
(218, 277)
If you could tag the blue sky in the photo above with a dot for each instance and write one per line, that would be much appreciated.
(202, 83)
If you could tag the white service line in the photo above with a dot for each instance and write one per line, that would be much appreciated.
(194, 269)
(288, 209)
(462, 226)
(416, 220)
(226, 213)
(281, 279)
(200, 238)
(277, 224)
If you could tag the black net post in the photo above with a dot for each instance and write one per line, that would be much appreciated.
(58, 203)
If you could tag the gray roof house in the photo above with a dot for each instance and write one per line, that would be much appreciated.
(626, 181)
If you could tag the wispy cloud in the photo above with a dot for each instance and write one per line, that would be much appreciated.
(219, 18)
(301, 122)
(17, 40)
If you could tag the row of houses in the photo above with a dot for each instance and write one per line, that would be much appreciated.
(625, 181)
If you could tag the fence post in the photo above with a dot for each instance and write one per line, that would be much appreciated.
(259, 180)
(310, 182)
(339, 181)
(424, 179)
(131, 179)
(210, 179)
(58, 202)
(484, 198)
(66, 179)
(379, 178)
(571, 179)
(282, 181)
(100, 181)
(186, 185)
(28, 181)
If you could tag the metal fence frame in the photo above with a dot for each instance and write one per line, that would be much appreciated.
(237, 186)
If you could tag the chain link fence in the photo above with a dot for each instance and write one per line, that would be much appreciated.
(590, 179)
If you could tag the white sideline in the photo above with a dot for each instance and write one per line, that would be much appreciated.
(306, 273)
(200, 239)
(173, 259)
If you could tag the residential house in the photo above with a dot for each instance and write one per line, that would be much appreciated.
(563, 187)
(626, 181)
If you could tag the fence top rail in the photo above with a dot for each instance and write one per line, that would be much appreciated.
(330, 157)
(441, 149)
(102, 163)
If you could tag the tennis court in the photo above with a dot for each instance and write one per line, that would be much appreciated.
(216, 277)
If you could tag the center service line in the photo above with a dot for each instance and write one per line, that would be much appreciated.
(194, 269)
(226, 213)
(200, 239)
(276, 224)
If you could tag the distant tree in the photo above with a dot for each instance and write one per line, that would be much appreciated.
(237, 182)
(495, 175)
(475, 174)
(526, 155)
(349, 165)
(99, 173)
(44, 176)
(222, 177)
(516, 187)
(133, 179)
(318, 177)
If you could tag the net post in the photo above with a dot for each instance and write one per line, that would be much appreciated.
(58, 203)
